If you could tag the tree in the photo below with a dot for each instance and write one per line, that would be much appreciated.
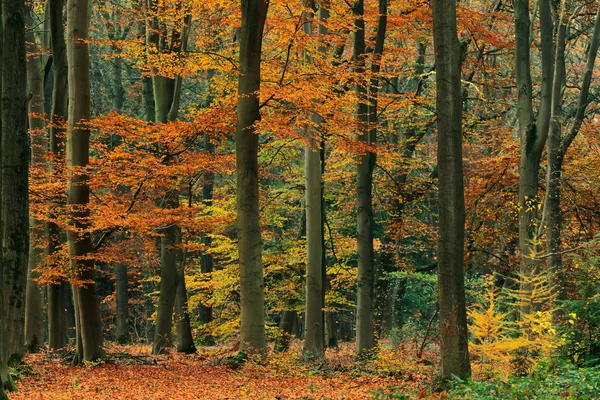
(558, 144)
(252, 328)
(57, 318)
(15, 173)
(34, 314)
(451, 290)
(314, 329)
(532, 133)
(367, 92)
(87, 312)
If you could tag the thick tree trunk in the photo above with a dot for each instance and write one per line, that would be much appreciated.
(5, 381)
(185, 341)
(313, 321)
(148, 95)
(168, 286)
(451, 290)
(87, 311)
(34, 314)
(56, 316)
(365, 339)
(121, 285)
(252, 329)
(56, 304)
(15, 172)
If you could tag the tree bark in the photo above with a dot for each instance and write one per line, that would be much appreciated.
(557, 145)
(87, 311)
(207, 263)
(252, 328)
(15, 172)
(313, 323)
(185, 341)
(532, 137)
(56, 305)
(34, 315)
(367, 124)
(121, 285)
(168, 286)
(451, 291)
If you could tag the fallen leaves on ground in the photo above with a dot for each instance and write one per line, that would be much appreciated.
(131, 373)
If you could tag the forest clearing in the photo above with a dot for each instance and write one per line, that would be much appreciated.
(313, 199)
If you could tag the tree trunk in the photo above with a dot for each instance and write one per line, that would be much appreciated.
(87, 311)
(451, 291)
(148, 96)
(168, 286)
(5, 380)
(252, 328)
(185, 341)
(205, 313)
(532, 137)
(56, 304)
(56, 316)
(118, 99)
(121, 285)
(34, 314)
(313, 321)
(367, 121)
(557, 146)
(15, 172)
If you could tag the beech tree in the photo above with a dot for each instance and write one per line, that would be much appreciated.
(532, 133)
(451, 226)
(252, 306)
(34, 314)
(87, 311)
(559, 143)
(314, 329)
(15, 173)
(57, 318)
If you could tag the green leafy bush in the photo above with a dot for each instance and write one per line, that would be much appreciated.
(566, 381)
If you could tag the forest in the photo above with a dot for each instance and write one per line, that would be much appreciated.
(315, 199)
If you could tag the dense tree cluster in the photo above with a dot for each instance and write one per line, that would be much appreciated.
(266, 170)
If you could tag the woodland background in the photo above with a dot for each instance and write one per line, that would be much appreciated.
(134, 236)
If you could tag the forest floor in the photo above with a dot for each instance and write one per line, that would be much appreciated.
(130, 372)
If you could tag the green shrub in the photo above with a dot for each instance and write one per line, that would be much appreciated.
(566, 381)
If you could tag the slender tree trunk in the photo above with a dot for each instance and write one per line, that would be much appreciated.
(313, 322)
(289, 317)
(121, 285)
(558, 146)
(451, 290)
(367, 120)
(56, 304)
(252, 329)
(205, 313)
(34, 315)
(117, 82)
(87, 311)
(15, 172)
(532, 136)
